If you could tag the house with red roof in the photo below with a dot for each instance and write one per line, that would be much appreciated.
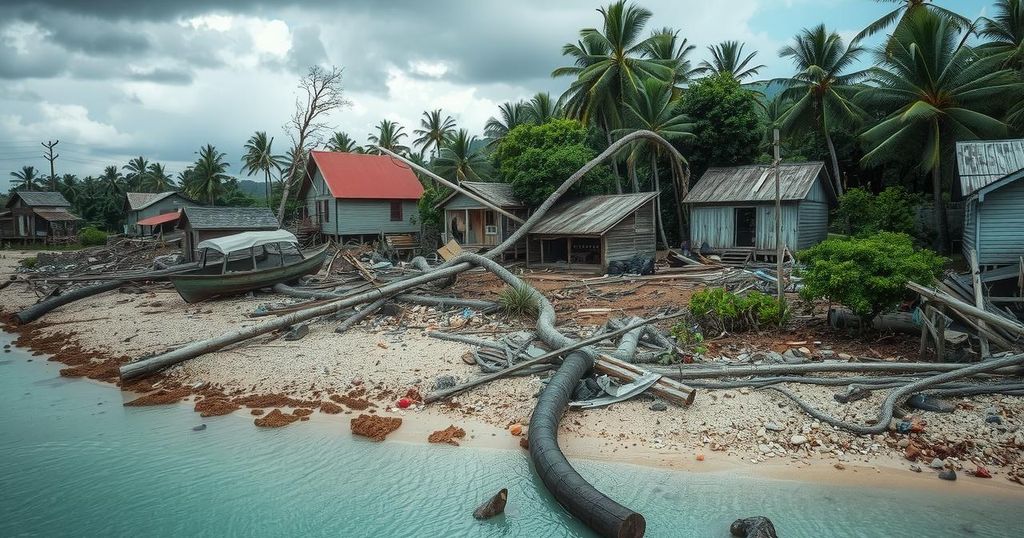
(352, 195)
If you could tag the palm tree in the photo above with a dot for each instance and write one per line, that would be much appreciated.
(511, 115)
(656, 108)
(68, 186)
(542, 108)
(458, 160)
(938, 92)
(136, 172)
(209, 174)
(389, 136)
(158, 180)
(26, 179)
(905, 10)
(666, 45)
(1005, 32)
(727, 57)
(259, 157)
(822, 91)
(343, 143)
(434, 131)
(112, 181)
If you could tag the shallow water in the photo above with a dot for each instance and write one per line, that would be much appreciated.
(74, 462)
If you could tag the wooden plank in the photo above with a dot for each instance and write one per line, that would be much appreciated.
(979, 301)
(450, 250)
(668, 389)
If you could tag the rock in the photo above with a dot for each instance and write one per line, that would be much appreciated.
(297, 332)
(199, 428)
(493, 506)
(804, 352)
(903, 443)
(928, 403)
(445, 382)
(852, 394)
(798, 440)
(773, 427)
(948, 475)
(744, 390)
(658, 406)
(793, 357)
(844, 356)
(993, 419)
(937, 463)
(839, 466)
(753, 527)
(916, 468)
(770, 357)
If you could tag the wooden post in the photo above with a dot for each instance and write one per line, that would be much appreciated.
(940, 333)
(979, 301)
(925, 323)
(778, 222)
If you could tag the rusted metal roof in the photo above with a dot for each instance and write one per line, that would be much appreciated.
(756, 183)
(159, 219)
(40, 199)
(499, 194)
(984, 162)
(56, 215)
(592, 215)
(230, 218)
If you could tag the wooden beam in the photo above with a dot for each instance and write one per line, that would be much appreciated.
(665, 388)
(964, 308)
(979, 301)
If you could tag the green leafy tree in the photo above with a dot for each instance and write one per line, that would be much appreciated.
(867, 275)
(135, 173)
(259, 157)
(342, 143)
(861, 213)
(727, 123)
(536, 159)
(822, 91)
(459, 161)
(938, 92)
(25, 179)
(434, 131)
(389, 136)
(727, 59)
(209, 174)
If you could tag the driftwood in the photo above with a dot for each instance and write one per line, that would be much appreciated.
(664, 388)
(494, 506)
(366, 311)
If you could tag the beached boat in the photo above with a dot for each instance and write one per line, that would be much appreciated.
(238, 263)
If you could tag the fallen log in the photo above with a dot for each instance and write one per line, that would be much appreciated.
(360, 315)
(814, 368)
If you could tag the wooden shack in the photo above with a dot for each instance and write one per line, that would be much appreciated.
(476, 226)
(991, 174)
(352, 196)
(148, 213)
(588, 233)
(38, 216)
(202, 223)
(732, 210)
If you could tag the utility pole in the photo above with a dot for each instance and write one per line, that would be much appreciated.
(50, 156)
(779, 250)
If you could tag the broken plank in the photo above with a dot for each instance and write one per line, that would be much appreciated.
(666, 388)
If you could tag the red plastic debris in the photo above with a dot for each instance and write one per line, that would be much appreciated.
(404, 403)
(982, 472)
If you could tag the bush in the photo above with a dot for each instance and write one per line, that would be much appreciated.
(868, 275)
(518, 301)
(862, 213)
(92, 236)
(718, 309)
(688, 338)
(29, 263)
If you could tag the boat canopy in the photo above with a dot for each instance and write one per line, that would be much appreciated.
(247, 240)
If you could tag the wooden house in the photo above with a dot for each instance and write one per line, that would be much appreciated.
(149, 213)
(476, 226)
(38, 216)
(733, 209)
(991, 174)
(351, 195)
(591, 232)
(202, 223)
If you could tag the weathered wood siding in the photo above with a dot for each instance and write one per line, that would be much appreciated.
(170, 204)
(999, 219)
(461, 201)
(632, 236)
(714, 225)
(765, 232)
(970, 226)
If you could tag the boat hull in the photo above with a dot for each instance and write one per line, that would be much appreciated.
(199, 287)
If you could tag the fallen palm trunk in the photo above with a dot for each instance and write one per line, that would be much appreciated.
(38, 310)
(885, 413)
(360, 315)
(813, 368)
(424, 300)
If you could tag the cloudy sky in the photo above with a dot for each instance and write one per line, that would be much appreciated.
(112, 79)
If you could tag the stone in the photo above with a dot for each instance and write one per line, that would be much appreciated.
(793, 357)
(445, 382)
(916, 468)
(993, 419)
(744, 390)
(297, 332)
(937, 463)
(658, 406)
(948, 475)
(199, 428)
(798, 440)
(773, 427)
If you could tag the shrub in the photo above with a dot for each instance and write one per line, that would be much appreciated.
(868, 275)
(91, 236)
(862, 213)
(718, 309)
(29, 262)
(687, 337)
(518, 301)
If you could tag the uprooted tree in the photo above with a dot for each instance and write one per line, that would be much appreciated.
(320, 94)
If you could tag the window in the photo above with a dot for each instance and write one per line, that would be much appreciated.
(396, 211)
(324, 210)
(490, 223)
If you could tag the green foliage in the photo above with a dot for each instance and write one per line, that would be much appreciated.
(687, 337)
(721, 310)
(726, 123)
(862, 213)
(519, 301)
(91, 236)
(428, 213)
(29, 262)
(535, 159)
(868, 275)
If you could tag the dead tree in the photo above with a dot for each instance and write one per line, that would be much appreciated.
(323, 94)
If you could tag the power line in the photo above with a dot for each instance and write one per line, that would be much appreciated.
(50, 156)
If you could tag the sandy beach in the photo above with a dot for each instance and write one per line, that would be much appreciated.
(739, 431)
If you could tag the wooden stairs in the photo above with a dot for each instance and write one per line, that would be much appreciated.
(737, 257)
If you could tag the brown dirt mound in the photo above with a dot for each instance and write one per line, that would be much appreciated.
(214, 406)
(373, 427)
(272, 400)
(302, 412)
(160, 397)
(414, 395)
(275, 419)
(447, 435)
(330, 408)
(351, 402)
(257, 412)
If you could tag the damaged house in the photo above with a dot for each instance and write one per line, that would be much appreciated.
(202, 223)
(732, 210)
(38, 216)
(474, 225)
(992, 184)
(150, 213)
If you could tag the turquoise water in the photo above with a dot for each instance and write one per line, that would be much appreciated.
(74, 462)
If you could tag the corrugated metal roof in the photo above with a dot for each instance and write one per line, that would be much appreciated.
(40, 198)
(983, 162)
(371, 177)
(593, 215)
(142, 200)
(56, 215)
(231, 218)
(159, 219)
(500, 194)
(755, 183)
